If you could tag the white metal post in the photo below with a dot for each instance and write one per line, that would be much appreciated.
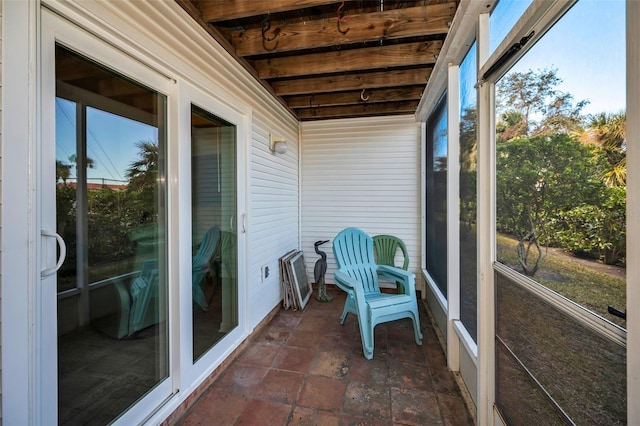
(486, 236)
(633, 212)
(453, 215)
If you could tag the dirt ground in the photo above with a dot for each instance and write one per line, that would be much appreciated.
(612, 270)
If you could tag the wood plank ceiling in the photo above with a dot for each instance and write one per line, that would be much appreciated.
(326, 59)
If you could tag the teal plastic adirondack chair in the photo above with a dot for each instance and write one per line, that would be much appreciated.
(357, 275)
(144, 298)
(224, 258)
(201, 264)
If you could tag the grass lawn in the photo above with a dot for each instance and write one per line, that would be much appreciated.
(587, 283)
(582, 371)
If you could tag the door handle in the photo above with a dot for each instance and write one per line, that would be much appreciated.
(244, 223)
(63, 253)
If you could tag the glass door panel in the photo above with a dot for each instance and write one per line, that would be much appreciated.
(436, 193)
(110, 210)
(213, 206)
(468, 175)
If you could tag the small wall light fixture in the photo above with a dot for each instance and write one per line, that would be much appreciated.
(277, 144)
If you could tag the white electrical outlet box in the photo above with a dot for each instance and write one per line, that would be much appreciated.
(264, 272)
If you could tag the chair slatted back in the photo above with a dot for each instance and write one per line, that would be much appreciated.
(386, 247)
(353, 251)
(207, 248)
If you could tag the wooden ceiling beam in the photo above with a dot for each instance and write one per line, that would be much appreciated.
(399, 55)
(392, 24)
(388, 108)
(363, 96)
(344, 82)
(224, 10)
(196, 14)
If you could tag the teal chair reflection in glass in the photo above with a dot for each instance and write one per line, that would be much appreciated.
(357, 275)
(201, 264)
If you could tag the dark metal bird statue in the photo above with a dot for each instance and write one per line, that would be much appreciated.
(318, 273)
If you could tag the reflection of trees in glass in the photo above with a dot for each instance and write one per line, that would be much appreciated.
(143, 181)
(468, 164)
(440, 164)
(89, 163)
(63, 171)
(143, 172)
(66, 228)
(111, 214)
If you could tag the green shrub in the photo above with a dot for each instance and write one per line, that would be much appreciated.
(595, 231)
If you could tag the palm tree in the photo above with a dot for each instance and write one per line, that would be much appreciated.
(63, 171)
(143, 172)
(143, 182)
(512, 124)
(608, 133)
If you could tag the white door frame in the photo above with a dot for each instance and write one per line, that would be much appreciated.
(194, 373)
(19, 30)
(55, 29)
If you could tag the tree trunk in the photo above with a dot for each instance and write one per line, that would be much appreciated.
(524, 252)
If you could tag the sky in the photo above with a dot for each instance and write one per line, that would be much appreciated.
(111, 141)
(587, 48)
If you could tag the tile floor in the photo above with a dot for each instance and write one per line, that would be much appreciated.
(304, 368)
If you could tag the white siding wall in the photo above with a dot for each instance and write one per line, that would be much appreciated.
(273, 226)
(363, 173)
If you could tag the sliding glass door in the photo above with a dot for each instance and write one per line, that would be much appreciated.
(213, 209)
(104, 305)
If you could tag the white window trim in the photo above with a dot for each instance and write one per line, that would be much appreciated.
(633, 212)
(193, 374)
(467, 341)
(453, 211)
(19, 37)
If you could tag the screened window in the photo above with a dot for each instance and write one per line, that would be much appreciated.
(561, 166)
(436, 195)
(561, 225)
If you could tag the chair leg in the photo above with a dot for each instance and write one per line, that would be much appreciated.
(366, 336)
(366, 331)
(416, 327)
(348, 307)
(343, 317)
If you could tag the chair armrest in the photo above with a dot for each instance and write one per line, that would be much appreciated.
(344, 281)
(405, 278)
(348, 284)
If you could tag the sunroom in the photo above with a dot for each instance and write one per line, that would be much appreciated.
(155, 169)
